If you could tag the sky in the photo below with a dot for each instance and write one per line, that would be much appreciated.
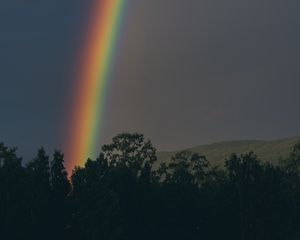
(186, 73)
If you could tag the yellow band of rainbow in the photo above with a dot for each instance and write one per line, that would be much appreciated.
(93, 77)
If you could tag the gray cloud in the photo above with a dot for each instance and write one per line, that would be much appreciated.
(188, 72)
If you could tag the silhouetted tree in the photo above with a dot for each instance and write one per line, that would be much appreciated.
(40, 195)
(131, 151)
(186, 168)
(12, 197)
(95, 202)
(125, 194)
(59, 178)
(39, 166)
(60, 188)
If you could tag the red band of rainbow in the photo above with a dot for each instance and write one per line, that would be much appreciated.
(94, 74)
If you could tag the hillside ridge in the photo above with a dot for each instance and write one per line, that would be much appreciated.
(267, 150)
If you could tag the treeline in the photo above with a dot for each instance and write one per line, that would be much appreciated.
(126, 194)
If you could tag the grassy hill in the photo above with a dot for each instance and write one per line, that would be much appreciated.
(267, 151)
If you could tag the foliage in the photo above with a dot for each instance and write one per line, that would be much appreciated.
(122, 195)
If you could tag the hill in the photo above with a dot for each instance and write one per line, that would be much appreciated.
(267, 151)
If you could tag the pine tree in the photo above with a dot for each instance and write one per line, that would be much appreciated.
(59, 178)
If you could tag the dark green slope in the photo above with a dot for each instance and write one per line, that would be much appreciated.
(267, 151)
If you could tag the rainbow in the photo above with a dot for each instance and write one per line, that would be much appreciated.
(94, 74)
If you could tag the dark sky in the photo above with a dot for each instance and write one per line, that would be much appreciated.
(188, 72)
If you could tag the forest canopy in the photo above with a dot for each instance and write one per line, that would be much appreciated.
(125, 193)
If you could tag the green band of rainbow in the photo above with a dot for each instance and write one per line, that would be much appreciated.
(94, 76)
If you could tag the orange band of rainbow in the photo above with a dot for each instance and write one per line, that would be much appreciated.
(94, 74)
